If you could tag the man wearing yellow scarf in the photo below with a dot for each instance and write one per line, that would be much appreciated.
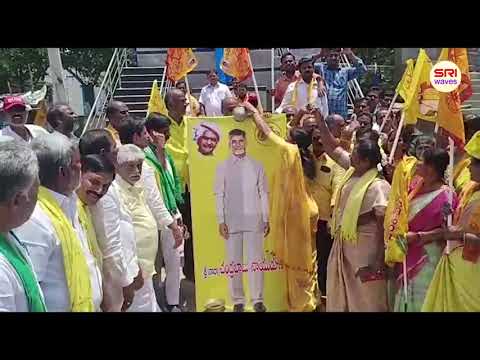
(65, 267)
(455, 285)
(117, 113)
(97, 176)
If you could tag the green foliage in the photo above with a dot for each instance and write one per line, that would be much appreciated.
(86, 64)
(382, 57)
(26, 68)
(23, 68)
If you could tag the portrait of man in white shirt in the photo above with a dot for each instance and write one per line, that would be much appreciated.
(241, 191)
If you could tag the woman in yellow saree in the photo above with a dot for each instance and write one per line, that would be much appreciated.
(294, 216)
(455, 285)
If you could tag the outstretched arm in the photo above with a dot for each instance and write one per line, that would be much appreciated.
(259, 121)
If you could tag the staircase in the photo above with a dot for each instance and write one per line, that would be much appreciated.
(135, 86)
(473, 104)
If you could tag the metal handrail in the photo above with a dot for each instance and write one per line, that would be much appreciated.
(111, 79)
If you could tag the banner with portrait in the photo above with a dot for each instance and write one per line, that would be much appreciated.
(231, 166)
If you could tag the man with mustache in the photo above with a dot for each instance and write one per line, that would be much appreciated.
(15, 111)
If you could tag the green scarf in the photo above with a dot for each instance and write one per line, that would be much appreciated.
(25, 272)
(171, 187)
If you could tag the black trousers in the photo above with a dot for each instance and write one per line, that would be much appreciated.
(186, 210)
(324, 244)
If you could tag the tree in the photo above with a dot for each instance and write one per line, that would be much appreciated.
(380, 56)
(22, 69)
(86, 64)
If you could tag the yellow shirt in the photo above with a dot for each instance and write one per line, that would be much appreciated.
(113, 132)
(144, 225)
(177, 148)
(323, 188)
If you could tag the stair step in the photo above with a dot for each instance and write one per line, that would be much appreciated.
(137, 105)
(474, 75)
(133, 91)
(132, 98)
(138, 113)
(136, 84)
(142, 77)
(142, 70)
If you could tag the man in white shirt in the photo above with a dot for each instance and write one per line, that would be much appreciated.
(18, 195)
(241, 191)
(59, 172)
(307, 91)
(15, 118)
(212, 95)
(132, 195)
(133, 131)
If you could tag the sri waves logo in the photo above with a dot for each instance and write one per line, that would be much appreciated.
(445, 76)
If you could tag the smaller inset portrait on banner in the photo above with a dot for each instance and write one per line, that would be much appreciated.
(207, 136)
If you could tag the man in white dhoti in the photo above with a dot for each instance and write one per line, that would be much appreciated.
(241, 191)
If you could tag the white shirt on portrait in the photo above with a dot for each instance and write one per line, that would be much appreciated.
(241, 191)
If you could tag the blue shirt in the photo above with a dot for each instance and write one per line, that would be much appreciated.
(337, 84)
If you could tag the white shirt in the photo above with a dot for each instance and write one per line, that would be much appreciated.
(154, 197)
(33, 130)
(39, 236)
(12, 293)
(144, 224)
(211, 97)
(111, 217)
(302, 97)
(241, 190)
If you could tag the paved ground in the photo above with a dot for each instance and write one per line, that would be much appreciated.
(187, 294)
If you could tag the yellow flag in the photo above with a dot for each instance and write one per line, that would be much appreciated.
(420, 81)
(396, 215)
(450, 116)
(156, 104)
(403, 86)
(41, 114)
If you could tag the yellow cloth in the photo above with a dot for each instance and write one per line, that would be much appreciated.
(455, 286)
(450, 116)
(420, 79)
(404, 86)
(113, 132)
(465, 198)
(156, 104)
(294, 216)
(193, 106)
(323, 187)
(311, 86)
(177, 148)
(396, 215)
(85, 217)
(144, 225)
(348, 224)
(473, 146)
(76, 269)
(461, 174)
(41, 114)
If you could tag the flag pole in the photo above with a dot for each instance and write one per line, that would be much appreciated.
(260, 108)
(187, 85)
(451, 152)
(390, 160)
(273, 79)
(163, 78)
(397, 137)
(389, 111)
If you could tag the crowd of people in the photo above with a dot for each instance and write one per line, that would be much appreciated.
(90, 224)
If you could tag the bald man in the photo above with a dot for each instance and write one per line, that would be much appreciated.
(228, 104)
(117, 113)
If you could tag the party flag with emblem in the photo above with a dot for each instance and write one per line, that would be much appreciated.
(450, 116)
(236, 63)
(180, 61)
